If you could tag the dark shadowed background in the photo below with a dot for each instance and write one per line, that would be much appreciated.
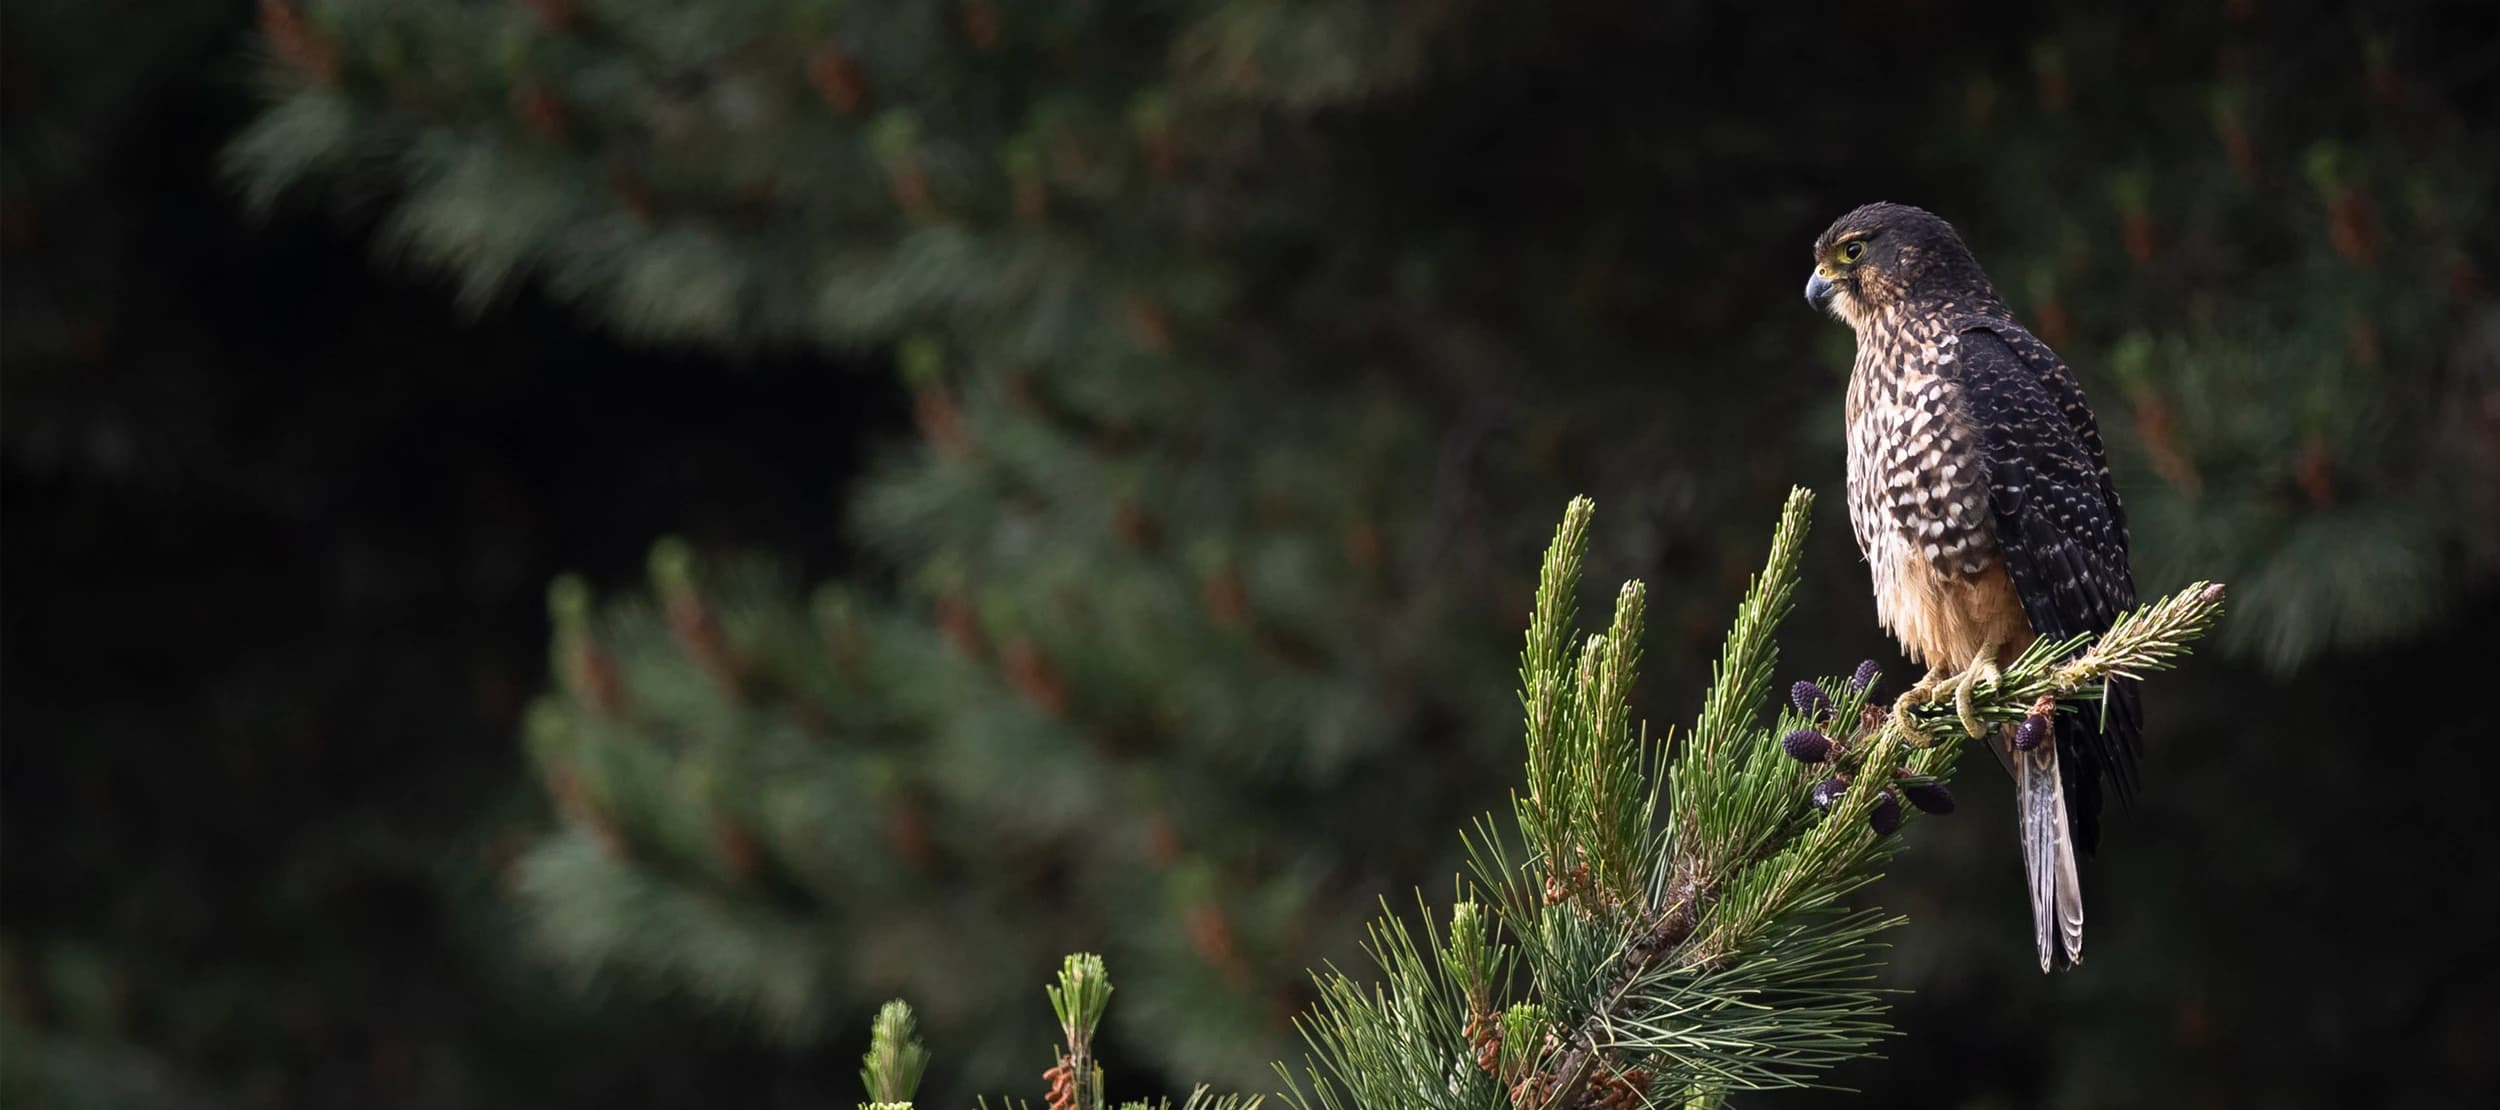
(559, 553)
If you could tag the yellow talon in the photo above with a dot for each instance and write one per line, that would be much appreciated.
(1923, 692)
(1983, 668)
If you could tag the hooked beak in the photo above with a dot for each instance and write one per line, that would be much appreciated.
(1819, 292)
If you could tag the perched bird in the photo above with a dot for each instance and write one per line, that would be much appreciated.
(1982, 503)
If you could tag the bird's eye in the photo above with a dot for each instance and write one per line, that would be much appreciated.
(1853, 251)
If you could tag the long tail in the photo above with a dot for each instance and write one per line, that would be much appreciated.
(2049, 856)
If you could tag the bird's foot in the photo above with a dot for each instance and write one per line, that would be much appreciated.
(1922, 692)
(1983, 668)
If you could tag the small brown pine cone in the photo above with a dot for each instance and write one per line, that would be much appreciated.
(1484, 1031)
(1530, 1091)
(1062, 1080)
(1577, 879)
(1638, 1079)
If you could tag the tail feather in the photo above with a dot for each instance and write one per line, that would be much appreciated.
(2049, 857)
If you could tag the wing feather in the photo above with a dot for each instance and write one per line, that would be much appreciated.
(2063, 535)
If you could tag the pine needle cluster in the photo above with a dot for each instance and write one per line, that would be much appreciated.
(1672, 921)
(1079, 997)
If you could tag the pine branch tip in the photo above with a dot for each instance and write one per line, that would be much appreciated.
(895, 1060)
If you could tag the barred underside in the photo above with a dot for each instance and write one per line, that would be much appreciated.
(1919, 497)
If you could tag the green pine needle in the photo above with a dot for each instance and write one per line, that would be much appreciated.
(1079, 998)
(1690, 927)
(891, 1068)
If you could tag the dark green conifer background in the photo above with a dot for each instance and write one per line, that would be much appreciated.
(1036, 477)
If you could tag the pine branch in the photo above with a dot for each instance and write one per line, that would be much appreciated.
(895, 1058)
(892, 1067)
(1079, 999)
(1742, 676)
(1706, 951)
(1615, 822)
(2146, 640)
(1545, 681)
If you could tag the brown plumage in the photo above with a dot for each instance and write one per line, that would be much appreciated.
(1980, 496)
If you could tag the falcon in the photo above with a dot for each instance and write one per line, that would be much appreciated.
(1981, 500)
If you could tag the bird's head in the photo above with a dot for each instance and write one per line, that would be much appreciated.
(1882, 255)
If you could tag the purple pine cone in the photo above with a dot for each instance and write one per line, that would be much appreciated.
(2031, 732)
(1885, 818)
(1808, 746)
(1928, 795)
(1865, 676)
(1828, 791)
(1809, 698)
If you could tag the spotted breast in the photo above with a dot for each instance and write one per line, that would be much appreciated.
(1918, 498)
